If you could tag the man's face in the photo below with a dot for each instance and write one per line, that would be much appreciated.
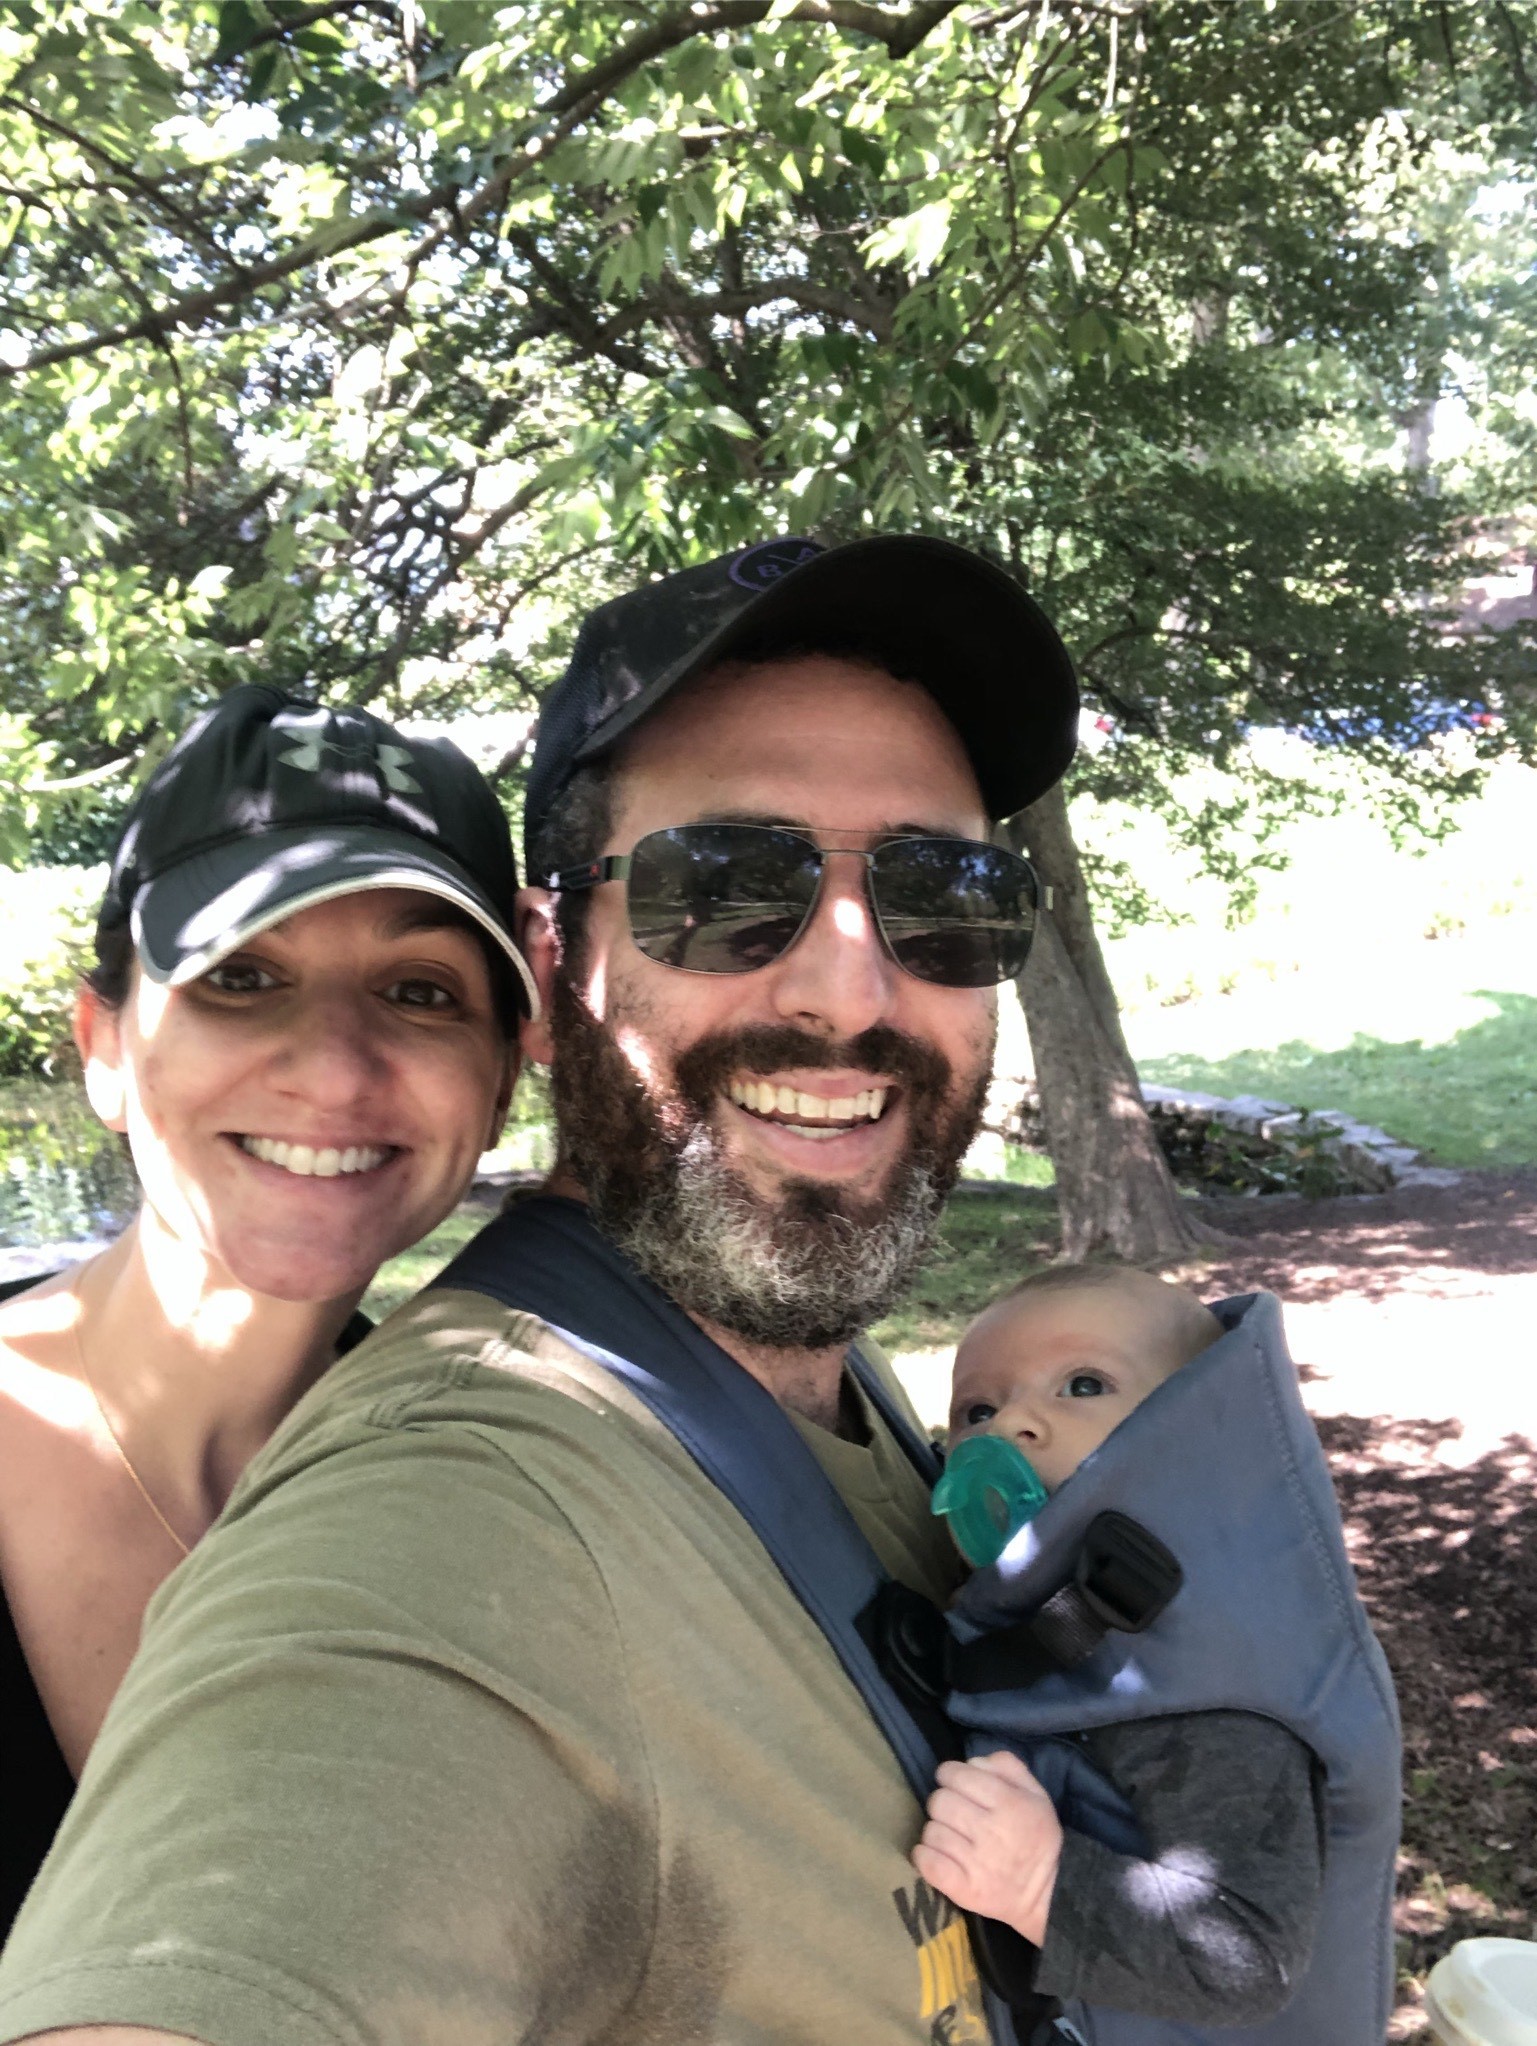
(773, 1147)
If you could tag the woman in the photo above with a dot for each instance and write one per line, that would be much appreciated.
(302, 1018)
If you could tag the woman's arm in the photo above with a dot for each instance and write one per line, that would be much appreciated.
(1216, 1925)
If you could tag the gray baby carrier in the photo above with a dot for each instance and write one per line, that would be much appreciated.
(1220, 1466)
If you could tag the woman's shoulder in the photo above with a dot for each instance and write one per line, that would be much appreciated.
(40, 1391)
(37, 1307)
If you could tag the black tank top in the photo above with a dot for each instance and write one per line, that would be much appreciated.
(35, 1783)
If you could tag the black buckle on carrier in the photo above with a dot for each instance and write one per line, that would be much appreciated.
(1125, 1575)
(1123, 1578)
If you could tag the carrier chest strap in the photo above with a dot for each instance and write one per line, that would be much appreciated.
(544, 1257)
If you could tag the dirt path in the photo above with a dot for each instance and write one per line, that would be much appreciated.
(1414, 1319)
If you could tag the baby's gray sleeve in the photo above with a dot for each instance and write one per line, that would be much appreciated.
(1216, 1926)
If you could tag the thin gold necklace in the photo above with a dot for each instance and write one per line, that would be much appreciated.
(106, 1419)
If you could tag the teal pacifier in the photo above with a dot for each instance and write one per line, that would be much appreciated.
(988, 1492)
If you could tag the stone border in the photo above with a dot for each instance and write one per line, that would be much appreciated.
(1376, 1161)
(1370, 1155)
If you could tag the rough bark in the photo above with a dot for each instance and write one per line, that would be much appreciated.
(1115, 1193)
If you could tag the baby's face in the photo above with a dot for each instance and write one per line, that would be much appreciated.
(1053, 1373)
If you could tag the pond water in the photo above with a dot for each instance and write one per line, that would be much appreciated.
(63, 1178)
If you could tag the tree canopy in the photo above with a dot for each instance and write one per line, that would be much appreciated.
(355, 344)
(361, 344)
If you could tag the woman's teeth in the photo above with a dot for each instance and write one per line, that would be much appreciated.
(789, 1104)
(309, 1163)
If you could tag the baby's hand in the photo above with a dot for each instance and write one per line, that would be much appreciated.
(993, 1842)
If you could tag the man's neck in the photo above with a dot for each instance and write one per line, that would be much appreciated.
(807, 1382)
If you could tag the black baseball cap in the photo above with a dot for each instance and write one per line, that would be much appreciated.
(271, 803)
(931, 611)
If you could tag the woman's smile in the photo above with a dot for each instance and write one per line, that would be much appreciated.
(317, 1161)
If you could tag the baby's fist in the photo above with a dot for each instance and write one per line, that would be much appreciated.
(992, 1842)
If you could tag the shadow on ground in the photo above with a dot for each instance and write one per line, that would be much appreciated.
(1471, 1100)
(1431, 1241)
(1445, 1561)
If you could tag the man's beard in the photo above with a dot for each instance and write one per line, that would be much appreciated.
(805, 1270)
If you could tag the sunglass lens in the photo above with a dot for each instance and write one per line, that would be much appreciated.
(720, 898)
(955, 912)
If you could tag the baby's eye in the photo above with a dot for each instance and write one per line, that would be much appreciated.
(1085, 1385)
(977, 1414)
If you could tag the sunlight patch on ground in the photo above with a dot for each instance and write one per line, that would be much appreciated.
(925, 1376)
(1459, 1354)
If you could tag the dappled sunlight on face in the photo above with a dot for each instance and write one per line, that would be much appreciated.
(150, 1003)
(213, 1313)
(640, 1055)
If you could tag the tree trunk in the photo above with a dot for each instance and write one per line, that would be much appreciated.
(1115, 1192)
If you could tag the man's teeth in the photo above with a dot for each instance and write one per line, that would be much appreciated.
(309, 1163)
(762, 1097)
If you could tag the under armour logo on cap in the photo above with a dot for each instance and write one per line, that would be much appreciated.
(760, 567)
(328, 737)
(390, 763)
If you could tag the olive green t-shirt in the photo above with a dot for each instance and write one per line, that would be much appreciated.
(482, 1717)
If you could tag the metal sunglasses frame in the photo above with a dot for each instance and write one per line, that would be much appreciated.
(617, 867)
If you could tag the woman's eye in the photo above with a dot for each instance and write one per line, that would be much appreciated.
(420, 994)
(239, 977)
(1085, 1385)
(977, 1414)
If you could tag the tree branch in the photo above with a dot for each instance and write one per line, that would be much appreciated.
(901, 32)
(1517, 53)
(801, 291)
(123, 173)
(324, 10)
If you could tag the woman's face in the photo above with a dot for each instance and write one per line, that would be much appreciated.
(316, 1102)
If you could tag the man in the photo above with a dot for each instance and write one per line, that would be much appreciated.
(484, 1715)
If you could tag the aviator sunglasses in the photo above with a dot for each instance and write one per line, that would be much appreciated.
(730, 898)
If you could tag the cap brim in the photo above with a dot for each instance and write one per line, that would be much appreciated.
(201, 910)
(930, 611)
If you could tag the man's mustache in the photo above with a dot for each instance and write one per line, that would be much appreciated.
(765, 1048)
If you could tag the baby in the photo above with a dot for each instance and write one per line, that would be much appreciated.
(1215, 1926)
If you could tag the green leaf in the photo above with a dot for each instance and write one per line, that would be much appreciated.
(239, 27)
(916, 241)
(726, 421)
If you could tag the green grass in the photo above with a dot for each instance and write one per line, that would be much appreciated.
(986, 1242)
(1397, 986)
(406, 1275)
(1469, 1100)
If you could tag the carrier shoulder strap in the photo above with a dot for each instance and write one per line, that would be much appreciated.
(544, 1257)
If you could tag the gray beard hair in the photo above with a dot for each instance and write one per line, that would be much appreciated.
(813, 1282)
